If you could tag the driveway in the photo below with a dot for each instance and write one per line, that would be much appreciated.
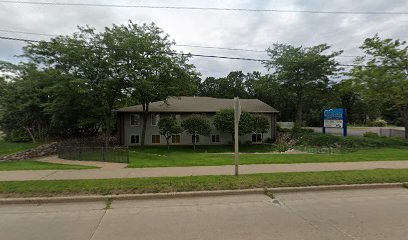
(335, 215)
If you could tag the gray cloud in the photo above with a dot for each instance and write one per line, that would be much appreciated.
(218, 28)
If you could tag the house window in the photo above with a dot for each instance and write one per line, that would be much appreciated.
(257, 138)
(156, 139)
(176, 117)
(155, 119)
(175, 139)
(134, 119)
(215, 138)
(134, 139)
(195, 138)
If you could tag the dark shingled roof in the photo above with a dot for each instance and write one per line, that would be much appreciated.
(201, 104)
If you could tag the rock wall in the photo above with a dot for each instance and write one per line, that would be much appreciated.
(41, 151)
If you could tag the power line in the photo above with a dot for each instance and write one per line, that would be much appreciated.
(177, 45)
(206, 8)
(171, 53)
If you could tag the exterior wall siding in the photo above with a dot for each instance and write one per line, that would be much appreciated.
(185, 138)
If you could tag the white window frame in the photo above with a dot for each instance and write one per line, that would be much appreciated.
(256, 138)
(214, 138)
(175, 142)
(157, 119)
(159, 138)
(138, 122)
(137, 136)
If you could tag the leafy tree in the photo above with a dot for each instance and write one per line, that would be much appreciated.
(142, 55)
(196, 125)
(302, 71)
(224, 121)
(84, 56)
(168, 127)
(226, 87)
(260, 124)
(384, 79)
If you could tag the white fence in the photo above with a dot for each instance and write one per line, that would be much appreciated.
(389, 132)
(286, 124)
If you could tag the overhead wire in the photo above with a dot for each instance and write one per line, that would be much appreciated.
(206, 8)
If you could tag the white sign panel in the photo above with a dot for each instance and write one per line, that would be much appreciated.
(334, 123)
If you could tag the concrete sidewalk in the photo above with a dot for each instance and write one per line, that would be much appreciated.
(105, 173)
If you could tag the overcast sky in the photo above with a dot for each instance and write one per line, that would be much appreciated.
(249, 30)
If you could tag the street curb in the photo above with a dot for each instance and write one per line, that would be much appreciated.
(172, 195)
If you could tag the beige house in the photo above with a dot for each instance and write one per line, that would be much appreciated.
(130, 121)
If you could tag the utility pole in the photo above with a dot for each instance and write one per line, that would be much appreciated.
(237, 115)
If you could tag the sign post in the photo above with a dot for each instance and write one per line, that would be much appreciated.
(335, 118)
(237, 115)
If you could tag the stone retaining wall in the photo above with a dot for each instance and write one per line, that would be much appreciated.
(41, 151)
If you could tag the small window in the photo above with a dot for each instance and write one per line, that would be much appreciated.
(134, 119)
(215, 138)
(155, 119)
(257, 138)
(134, 139)
(155, 138)
(195, 138)
(175, 139)
(177, 117)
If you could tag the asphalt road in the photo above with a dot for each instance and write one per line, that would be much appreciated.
(355, 214)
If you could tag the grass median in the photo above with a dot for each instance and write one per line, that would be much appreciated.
(197, 183)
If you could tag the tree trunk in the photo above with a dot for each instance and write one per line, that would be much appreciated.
(108, 119)
(31, 134)
(299, 115)
(404, 114)
(144, 124)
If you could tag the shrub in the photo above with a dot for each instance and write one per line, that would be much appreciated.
(17, 136)
(282, 147)
(327, 140)
(370, 135)
(377, 123)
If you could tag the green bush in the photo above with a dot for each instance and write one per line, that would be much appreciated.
(377, 123)
(17, 136)
(370, 135)
(327, 140)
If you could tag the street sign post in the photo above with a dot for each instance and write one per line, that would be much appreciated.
(237, 116)
(335, 118)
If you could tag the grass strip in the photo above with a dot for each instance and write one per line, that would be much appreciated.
(36, 165)
(197, 183)
(156, 157)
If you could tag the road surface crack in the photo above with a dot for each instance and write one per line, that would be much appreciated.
(99, 223)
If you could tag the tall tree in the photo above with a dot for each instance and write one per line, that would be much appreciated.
(142, 55)
(86, 57)
(230, 86)
(384, 79)
(302, 71)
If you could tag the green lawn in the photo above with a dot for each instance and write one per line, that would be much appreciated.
(161, 157)
(35, 165)
(198, 183)
(10, 147)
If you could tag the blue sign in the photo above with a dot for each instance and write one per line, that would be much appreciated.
(335, 118)
(334, 113)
